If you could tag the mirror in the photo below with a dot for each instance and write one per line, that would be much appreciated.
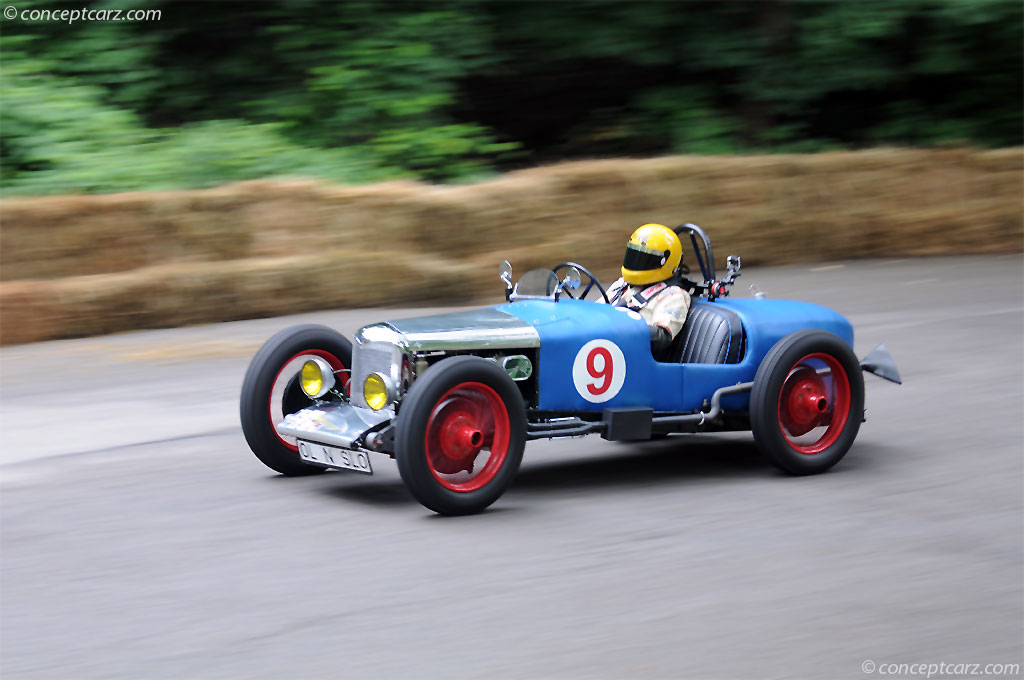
(505, 274)
(573, 279)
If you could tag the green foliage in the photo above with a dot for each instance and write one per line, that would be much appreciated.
(689, 121)
(60, 139)
(453, 90)
(57, 137)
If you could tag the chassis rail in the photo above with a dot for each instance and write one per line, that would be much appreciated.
(641, 422)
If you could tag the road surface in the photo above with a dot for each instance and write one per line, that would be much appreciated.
(141, 539)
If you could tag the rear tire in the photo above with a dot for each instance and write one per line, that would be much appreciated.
(460, 435)
(807, 402)
(257, 407)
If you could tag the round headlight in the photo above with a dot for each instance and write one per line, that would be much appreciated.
(316, 378)
(375, 391)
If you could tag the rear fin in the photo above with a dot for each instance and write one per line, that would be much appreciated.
(880, 362)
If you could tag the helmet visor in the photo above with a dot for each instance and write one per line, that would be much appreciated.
(640, 258)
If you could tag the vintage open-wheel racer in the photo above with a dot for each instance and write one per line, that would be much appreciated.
(455, 397)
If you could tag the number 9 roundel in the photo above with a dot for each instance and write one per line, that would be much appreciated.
(599, 370)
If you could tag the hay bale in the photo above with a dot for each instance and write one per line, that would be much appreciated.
(81, 265)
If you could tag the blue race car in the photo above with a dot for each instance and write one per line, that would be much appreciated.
(455, 397)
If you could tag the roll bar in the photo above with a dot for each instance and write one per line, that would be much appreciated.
(705, 261)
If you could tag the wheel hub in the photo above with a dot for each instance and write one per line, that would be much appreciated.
(803, 402)
(815, 395)
(467, 437)
(461, 440)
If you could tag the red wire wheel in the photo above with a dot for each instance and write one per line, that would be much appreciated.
(467, 437)
(271, 390)
(814, 403)
(807, 402)
(459, 435)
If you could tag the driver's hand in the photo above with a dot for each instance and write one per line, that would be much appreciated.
(660, 338)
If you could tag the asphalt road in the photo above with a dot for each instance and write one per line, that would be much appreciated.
(141, 539)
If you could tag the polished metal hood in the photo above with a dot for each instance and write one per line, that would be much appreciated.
(485, 328)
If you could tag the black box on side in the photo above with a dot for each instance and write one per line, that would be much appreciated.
(624, 424)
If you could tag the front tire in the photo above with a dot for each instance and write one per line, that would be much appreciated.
(807, 402)
(460, 435)
(276, 364)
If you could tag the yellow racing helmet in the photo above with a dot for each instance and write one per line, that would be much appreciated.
(652, 253)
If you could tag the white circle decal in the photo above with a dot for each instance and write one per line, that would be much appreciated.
(599, 370)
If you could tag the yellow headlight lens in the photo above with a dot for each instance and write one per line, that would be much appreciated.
(375, 392)
(312, 379)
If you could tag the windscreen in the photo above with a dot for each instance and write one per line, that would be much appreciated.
(537, 283)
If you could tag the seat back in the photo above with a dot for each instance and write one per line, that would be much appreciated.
(712, 335)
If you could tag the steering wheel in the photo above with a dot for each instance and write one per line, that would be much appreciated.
(590, 283)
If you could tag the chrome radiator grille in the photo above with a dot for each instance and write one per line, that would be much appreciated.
(373, 357)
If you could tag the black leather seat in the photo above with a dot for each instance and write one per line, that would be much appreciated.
(712, 335)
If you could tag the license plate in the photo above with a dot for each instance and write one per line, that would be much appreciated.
(334, 457)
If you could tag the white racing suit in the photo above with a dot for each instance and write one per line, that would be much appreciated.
(660, 305)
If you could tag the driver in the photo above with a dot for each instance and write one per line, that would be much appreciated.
(653, 256)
